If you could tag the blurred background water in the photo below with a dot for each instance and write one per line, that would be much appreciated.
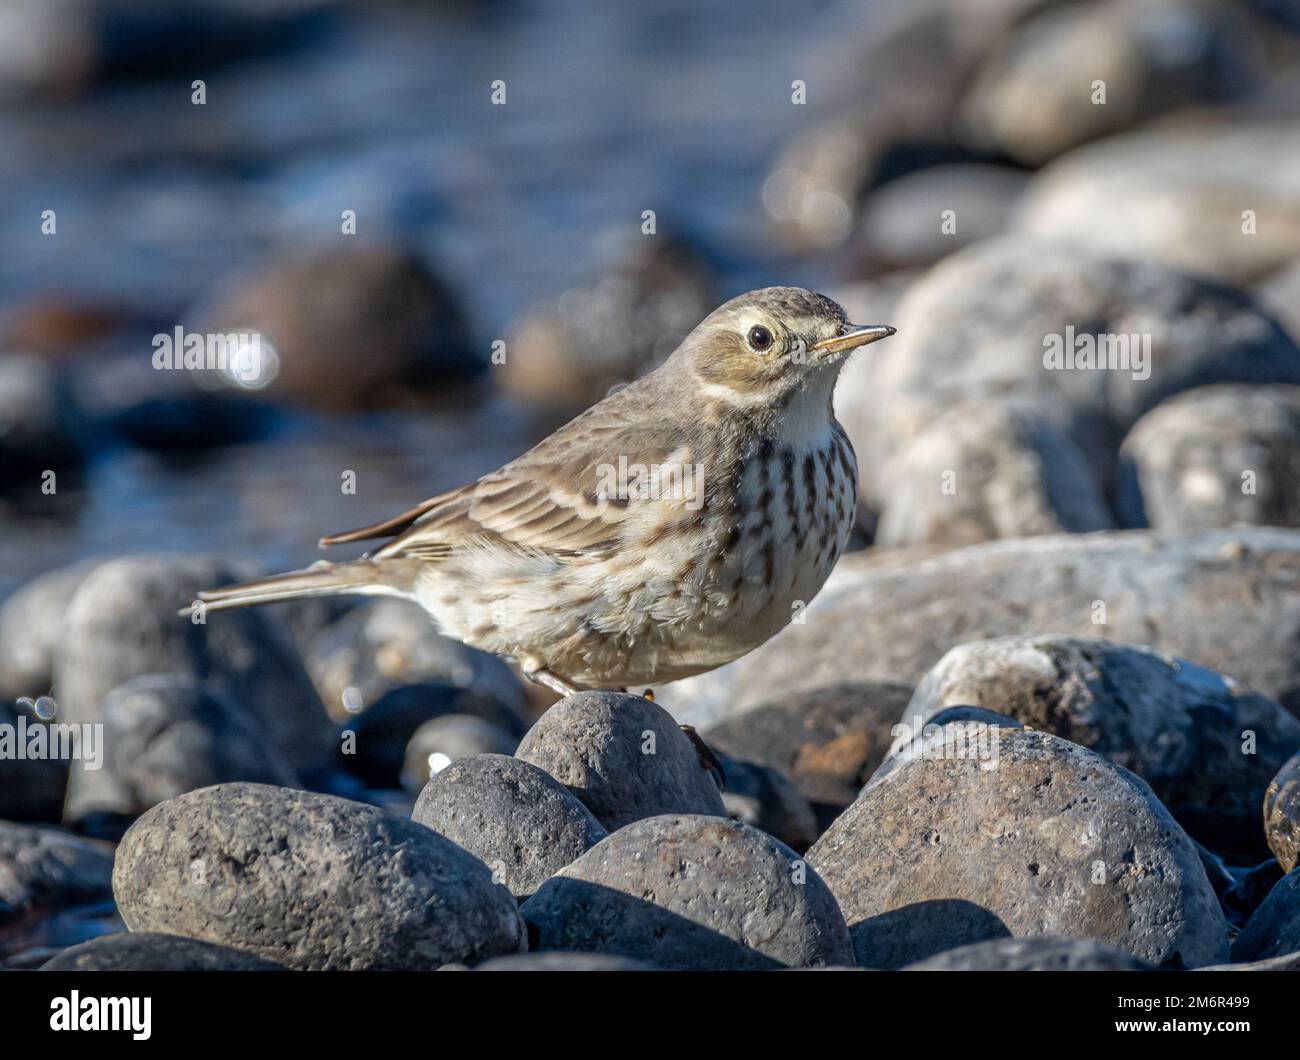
(818, 143)
(384, 109)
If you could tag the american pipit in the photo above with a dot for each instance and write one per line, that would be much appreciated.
(669, 529)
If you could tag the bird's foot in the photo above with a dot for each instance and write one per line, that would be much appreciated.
(649, 694)
(708, 759)
(554, 682)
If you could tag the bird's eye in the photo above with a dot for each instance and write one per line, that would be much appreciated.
(760, 338)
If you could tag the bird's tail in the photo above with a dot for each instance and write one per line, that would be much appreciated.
(321, 579)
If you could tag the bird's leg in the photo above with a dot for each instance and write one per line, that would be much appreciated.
(554, 682)
(708, 759)
(703, 751)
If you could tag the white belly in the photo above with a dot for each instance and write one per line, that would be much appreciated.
(677, 605)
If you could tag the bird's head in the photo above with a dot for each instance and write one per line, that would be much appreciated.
(770, 344)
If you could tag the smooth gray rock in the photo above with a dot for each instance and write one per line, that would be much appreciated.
(564, 962)
(519, 821)
(386, 644)
(1287, 962)
(644, 299)
(350, 325)
(1177, 194)
(1034, 99)
(623, 756)
(146, 951)
(691, 892)
(906, 224)
(828, 740)
(123, 622)
(40, 431)
(306, 620)
(1274, 928)
(1038, 953)
(31, 788)
(1280, 293)
(981, 471)
(373, 745)
(1214, 457)
(1282, 814)
(761, 797)
(1180, 727)
(164, 735)
(1044, 837)
(439, 742)
(310, 881)
(906, 75)
(1021, 317)
(44, 869)
(1228, 600)
(71, 48)
(32, 629)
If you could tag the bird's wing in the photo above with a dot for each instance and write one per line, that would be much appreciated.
(388, 527)
(572, 494)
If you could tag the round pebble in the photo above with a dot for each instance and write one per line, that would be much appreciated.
(311, 882)
(691, 892)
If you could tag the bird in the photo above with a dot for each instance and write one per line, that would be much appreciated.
(669, 529)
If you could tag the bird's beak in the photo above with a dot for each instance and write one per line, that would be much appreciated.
(852, 336)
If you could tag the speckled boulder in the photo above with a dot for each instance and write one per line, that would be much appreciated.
(1045, 837)
(146, 951)
(1180, 727)
(1274, 929)
(310, 881)
(623, 756)
(520, 822)
(123, 622)
(691, 892)
(1040, 953)
(1214, 456)
(1282, 814)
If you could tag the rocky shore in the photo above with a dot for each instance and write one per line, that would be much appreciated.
(896, 790)
(1045, 715)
